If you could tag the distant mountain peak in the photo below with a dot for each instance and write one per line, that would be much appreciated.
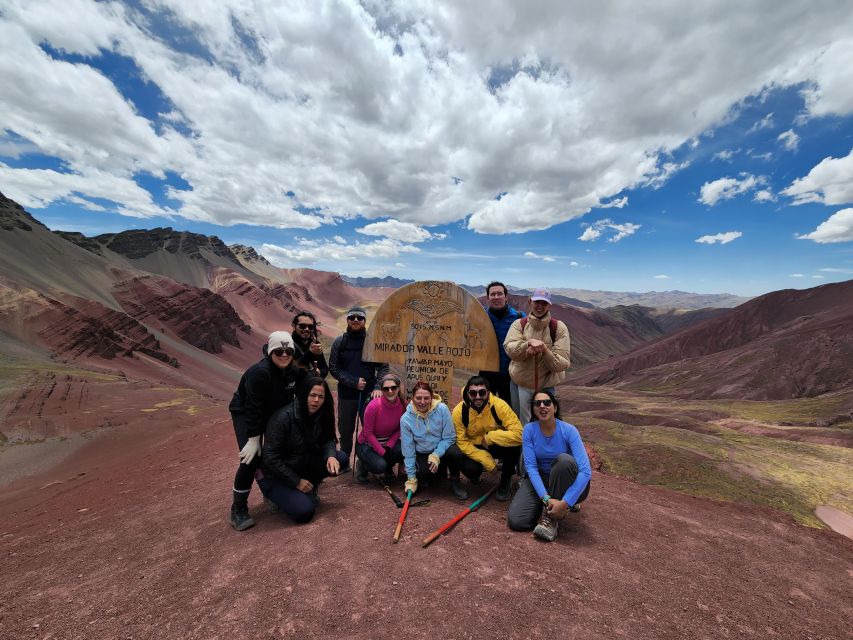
(248, 253)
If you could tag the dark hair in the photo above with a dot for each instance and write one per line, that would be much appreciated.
(325, 414)
(420, 384)
(496, 284)
(553, 399)
(307, 314)
(474, 381)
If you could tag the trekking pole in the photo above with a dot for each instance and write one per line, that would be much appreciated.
(402, 517)
(393, 495)
(449, 525)
(355, 437)
(535, 374)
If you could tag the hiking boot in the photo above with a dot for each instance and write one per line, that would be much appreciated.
(240, 518)
(459, 492)
(546, 529)
(360, 472)
(504, 490)
(272, 506)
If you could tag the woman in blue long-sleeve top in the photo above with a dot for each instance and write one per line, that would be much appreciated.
(426, 432)
(556, 471)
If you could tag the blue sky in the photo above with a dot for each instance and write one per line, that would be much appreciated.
(706, 149)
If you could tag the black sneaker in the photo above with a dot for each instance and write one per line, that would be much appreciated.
(504, 490)
(459, 492)
(240, 518)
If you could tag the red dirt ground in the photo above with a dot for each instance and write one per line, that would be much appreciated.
(129, 538)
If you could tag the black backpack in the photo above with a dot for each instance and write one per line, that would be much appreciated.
(465, 417)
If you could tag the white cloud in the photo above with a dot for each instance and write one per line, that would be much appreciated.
(661, 277)
(574, 264)
(764, 195)
(312, 253)
(402, 231)
(816, 277)
(618, 203)
(765, 123)
(797, 275)
(725, 155)
(721, 238)
(531, 254)
(837, 228)
(399, 264)
(607, 227)
(789, 139)
(836, 270)
(314, 99)
(726, 188)
(829, 182)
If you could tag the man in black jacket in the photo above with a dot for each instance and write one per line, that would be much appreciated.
(358, 381)
(265, 387)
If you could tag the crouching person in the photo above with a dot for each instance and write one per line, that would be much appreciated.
(556, 471)
(378, 447)
(426, 431)
(486, 428)
(299, 451)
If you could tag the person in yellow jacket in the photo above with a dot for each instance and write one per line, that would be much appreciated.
(486, 428)
(538, 347)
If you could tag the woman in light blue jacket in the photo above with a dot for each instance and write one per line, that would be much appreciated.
(426, 431)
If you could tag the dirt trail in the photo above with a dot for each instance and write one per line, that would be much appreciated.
(129, 538)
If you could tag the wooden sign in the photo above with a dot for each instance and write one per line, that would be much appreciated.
(432, 328)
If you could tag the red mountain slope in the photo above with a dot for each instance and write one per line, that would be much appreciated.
(784, 344)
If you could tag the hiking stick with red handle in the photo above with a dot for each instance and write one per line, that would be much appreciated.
(402, 517)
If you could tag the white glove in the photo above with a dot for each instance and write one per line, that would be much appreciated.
(252, 448)
(411, 485)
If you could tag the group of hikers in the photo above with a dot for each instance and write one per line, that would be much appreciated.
(284, 420)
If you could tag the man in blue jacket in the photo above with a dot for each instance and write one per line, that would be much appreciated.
(502, 316)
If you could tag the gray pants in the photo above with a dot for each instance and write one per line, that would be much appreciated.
(526, 506)
(521, 397)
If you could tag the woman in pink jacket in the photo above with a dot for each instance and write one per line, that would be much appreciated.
(378, 446)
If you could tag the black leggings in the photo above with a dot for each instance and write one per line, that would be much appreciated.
(245, 472)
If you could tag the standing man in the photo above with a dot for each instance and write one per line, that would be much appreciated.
(539, 349)
(486, 428)
(358, 381)
(309, 351)
(502, 316)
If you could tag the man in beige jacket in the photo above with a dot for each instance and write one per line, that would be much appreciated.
(539, 349)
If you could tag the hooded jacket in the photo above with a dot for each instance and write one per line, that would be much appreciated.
(430, 432)
(552, 364)
(264, 388)
(296, 446)
(482, 431)
(501, 325)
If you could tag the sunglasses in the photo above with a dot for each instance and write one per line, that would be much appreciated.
(542, 403)
(355, 318)
(478, 393)
(287, 351)
(391, 388)
(305, 325)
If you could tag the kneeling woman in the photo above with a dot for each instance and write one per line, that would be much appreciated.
(556, 471)
(299, 451)
(378, 447)
(426, 431)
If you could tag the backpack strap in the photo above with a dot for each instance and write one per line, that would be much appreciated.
(552, 328)
(465, 415)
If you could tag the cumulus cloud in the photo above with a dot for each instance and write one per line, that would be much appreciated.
(312, 252)
(720, 238)
(607, 227)
(618, 203)
(402, 231)
(727, 188)
(789, 139)
(725, 155)
(661, 277)
(300, 115)
(829, 182)
(837, 228)
(574, 263)
(764, 195)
